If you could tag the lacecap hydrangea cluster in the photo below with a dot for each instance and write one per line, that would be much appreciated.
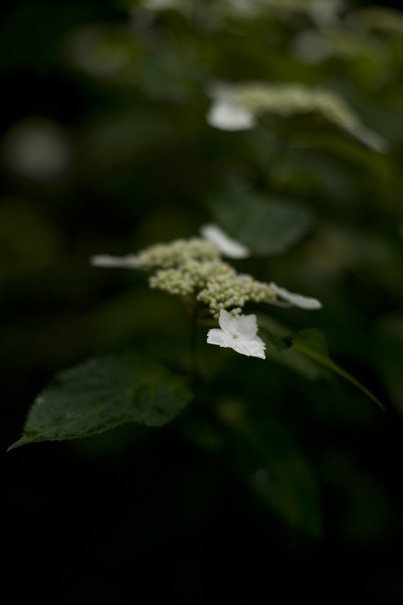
(194, 270)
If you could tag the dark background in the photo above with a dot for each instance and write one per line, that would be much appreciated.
(127, 159)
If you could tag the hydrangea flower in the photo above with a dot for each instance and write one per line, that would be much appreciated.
(238, 333)
(194, 268)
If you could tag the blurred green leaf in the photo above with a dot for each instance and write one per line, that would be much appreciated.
(312, 343)
(267, 226)
(277, 349)
(303, 351)
(379, 18)
(388, 355)
(102, 393)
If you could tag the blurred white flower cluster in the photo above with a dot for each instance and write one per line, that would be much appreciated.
(320, 11)
(239, 107)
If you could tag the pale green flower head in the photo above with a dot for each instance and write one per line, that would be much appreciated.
(178, 252)
(194, 270)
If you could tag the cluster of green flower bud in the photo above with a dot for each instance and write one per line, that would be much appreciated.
(193, 267)
(177, 253)
(189, 276)
(194, 270)
(231, 292)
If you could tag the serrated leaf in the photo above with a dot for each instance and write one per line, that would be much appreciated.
(313, 344)
(265, 225)
(102, 393)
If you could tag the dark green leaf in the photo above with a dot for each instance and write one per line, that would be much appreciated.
(387, 351)
(312, 343)
(267, 226)
(305, 352)
(102, 393)
(279, 348)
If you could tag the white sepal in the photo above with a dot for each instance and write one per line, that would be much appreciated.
(130, 261)
(225, 244)
(253, 347)
(298, 300)
(228, 116)
(238, 333)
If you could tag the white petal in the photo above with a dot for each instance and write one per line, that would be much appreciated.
(228, 323)
(304, 302)
(254, 347)
(220, 338)
(225, 244)
(130, 261)
(227, 116)
(247, 326)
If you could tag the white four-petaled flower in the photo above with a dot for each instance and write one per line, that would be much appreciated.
(238, 333)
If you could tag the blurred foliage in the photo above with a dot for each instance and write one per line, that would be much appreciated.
(106, 148)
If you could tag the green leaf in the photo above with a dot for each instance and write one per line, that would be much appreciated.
(267, 226)
(313, 344)
(304, 352)
(387, 352)
(102, 393)
(277, 339)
